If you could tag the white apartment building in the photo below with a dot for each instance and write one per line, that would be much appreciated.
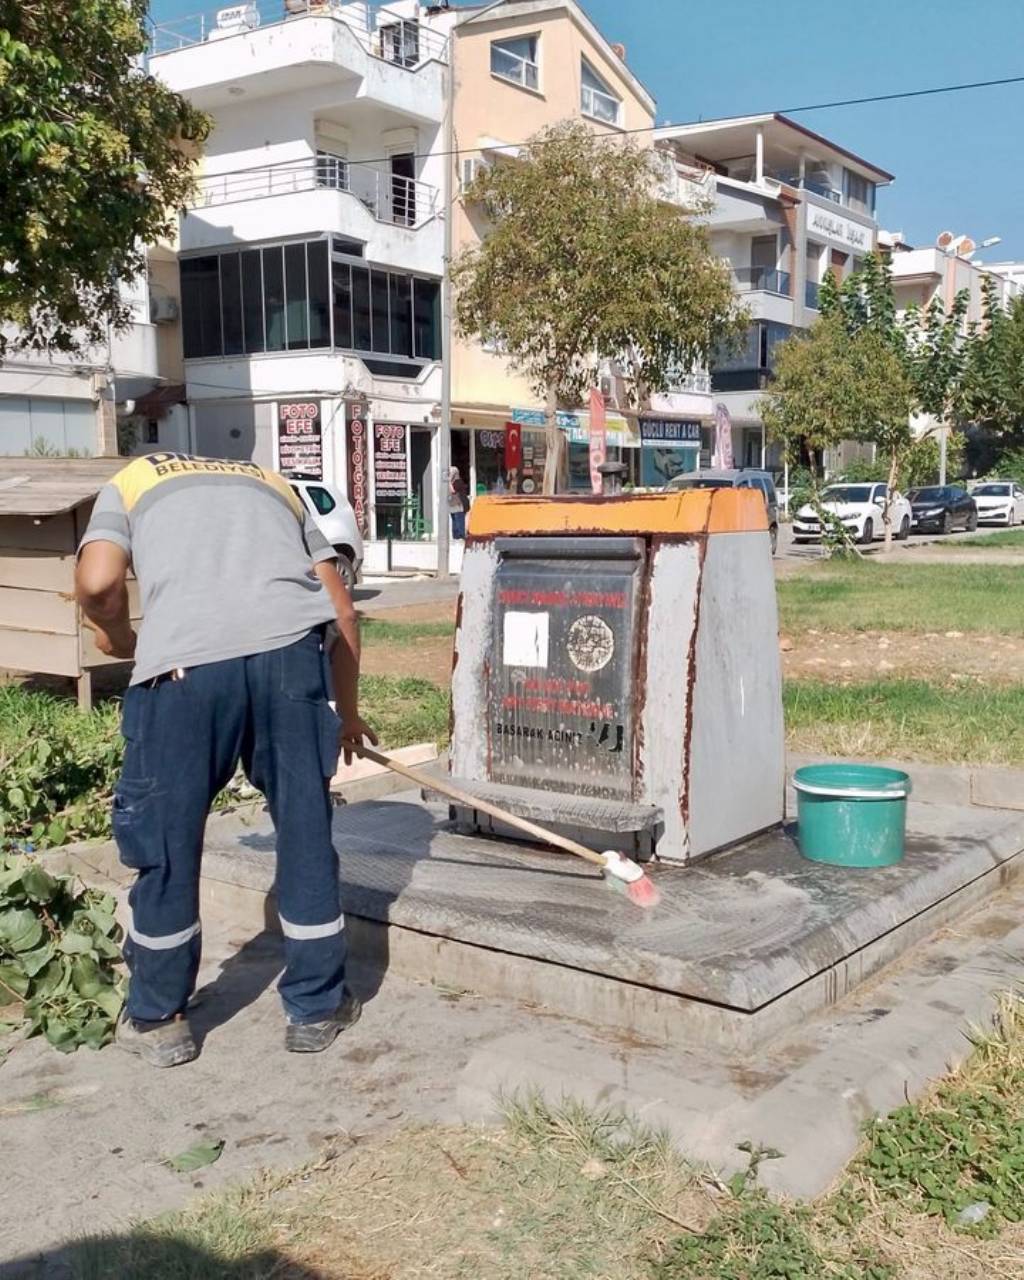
(787, 206)
(311, 258)
(54, 404)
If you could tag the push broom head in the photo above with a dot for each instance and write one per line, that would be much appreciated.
(628, 877)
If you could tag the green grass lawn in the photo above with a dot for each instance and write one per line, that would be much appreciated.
(925, 597)
(907, 719)
(1005, 538)
(379, 631)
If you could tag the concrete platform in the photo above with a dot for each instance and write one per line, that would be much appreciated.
(742, 947)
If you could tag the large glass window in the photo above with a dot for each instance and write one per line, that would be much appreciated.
(362, 334)
(319, 277)
(342, 300)
(516, 60)
(273, 298)
(200, 305)
(299, 297)
(859, 193)
(401, 316)
(381, 329)
(252, 299)
(427, 322)
(231, 303)
(596, 97)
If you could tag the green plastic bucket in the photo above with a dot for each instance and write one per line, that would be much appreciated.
(852, 815)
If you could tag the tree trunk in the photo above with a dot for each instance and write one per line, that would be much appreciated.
(894, 475)
(555, 444)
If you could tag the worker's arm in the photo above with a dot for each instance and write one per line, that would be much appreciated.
(345, 656)
(101, 588)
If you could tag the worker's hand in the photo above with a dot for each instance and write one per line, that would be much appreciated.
(117, 645)
(355, 729)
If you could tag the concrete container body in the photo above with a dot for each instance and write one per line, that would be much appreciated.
(617, 669)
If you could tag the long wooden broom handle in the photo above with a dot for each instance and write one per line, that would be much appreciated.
(473, 802)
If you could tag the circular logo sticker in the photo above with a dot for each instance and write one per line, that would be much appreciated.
(529, 486)
(591, 643)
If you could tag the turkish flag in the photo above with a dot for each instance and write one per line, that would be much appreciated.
(513, 446)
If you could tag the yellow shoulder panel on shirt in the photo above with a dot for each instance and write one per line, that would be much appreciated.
(144, 474)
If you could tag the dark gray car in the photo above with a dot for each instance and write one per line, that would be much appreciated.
(739, 478)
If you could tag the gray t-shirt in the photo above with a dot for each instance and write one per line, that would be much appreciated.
(224, 555)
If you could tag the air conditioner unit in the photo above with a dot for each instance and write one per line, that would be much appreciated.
(163, 309)
(472, 168)
(613, 390)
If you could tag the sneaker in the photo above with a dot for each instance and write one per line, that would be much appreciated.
(161, 1044)
(315, 1037)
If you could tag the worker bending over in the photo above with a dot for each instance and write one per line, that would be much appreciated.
(238, 588)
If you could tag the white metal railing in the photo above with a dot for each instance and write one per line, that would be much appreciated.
(379, 30)
(510, 66)
(389, 197)
(599, 106)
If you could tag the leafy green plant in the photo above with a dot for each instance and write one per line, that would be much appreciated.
(759, 1240)
(58, 770)
(746, 1178)
(59, 956)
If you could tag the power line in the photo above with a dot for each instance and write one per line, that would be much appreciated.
(656, 128)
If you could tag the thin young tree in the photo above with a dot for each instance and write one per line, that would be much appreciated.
(583, 262)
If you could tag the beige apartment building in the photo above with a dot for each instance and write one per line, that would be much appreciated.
(518, 68)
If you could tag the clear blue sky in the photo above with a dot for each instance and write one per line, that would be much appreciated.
(958, 158)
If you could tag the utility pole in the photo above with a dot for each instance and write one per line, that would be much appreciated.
(444, 441)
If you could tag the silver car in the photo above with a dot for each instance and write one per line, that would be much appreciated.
(741, 478)
(336, 521)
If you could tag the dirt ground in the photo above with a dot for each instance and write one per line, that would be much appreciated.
(871, 655)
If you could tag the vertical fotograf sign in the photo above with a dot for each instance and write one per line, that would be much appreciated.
(300, 445)
(357, 445)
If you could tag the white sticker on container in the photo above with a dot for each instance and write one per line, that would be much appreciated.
(525, 640)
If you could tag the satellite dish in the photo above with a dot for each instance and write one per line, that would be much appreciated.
(944, 239)
(963, 246)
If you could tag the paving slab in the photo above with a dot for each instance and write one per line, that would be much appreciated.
(744, 944)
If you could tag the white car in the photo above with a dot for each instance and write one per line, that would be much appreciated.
(999, 502)
(336, 521)
(861, 508)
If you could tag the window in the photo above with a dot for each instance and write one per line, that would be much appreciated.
(273, 297)
(597, 99)
(297, 295)
(427, 319)
(858, 192)
(342, 304)
(516, 60)
(321, 499)
(231, 303)
(200, 304)
(354, 248)
(361, 333)
(319, 276)
(331, 171)
(301, 297)
(252, 299)
(401, 316)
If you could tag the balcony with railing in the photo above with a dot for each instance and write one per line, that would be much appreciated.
(762, 280)
(265, 49)
(381, 31)
(388, 197)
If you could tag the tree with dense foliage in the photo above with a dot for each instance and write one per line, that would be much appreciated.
(96, 158)
(831, 386)
(931, 349)
(581, 263)
(994, 372)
